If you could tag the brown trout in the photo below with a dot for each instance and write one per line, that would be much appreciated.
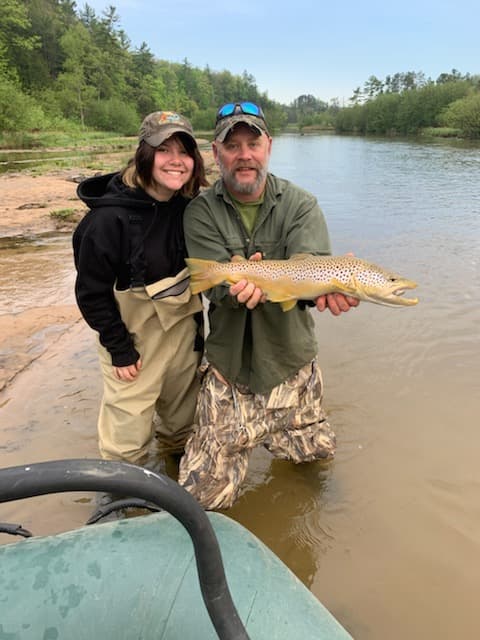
(305, 277)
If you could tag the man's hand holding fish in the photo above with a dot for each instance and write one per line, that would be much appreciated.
(337, 303)
(246, 292)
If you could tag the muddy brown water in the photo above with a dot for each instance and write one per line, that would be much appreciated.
(388, 536)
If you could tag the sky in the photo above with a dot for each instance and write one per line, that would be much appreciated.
(326, 49)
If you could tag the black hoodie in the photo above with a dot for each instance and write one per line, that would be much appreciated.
(126, 239)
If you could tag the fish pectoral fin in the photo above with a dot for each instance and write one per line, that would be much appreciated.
(287, 305)
(231, 278)
(347, 289)
(281, 293)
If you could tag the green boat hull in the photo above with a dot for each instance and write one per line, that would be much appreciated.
(136, 578)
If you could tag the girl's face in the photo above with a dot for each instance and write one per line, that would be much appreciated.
(172, 168)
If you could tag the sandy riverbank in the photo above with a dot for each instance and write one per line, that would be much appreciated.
(28, 200)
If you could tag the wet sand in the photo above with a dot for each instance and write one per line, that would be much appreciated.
(48, 374)
(49, 412)
(28, 201)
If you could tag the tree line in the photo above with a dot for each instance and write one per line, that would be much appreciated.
(409, 103)
(62, 67)
(65, 68)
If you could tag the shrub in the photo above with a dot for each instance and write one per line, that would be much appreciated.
(18, 111)
(112, 115)
(464, 114)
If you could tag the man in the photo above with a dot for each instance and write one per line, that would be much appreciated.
(263, 384)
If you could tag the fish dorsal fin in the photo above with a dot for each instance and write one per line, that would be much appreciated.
(237, 258)
(301, 256)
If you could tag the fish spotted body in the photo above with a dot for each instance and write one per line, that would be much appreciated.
(305, 277)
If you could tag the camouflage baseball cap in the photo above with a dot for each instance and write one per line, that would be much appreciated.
(224, 126)
(160, 125)
(233, 113)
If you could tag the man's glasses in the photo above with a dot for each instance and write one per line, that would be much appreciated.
(235, 108)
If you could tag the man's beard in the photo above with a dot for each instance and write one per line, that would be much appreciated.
(244, 188)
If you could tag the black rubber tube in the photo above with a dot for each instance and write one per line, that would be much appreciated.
(58, 476)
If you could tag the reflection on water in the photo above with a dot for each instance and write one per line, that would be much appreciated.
(388, 536)
(281, 504)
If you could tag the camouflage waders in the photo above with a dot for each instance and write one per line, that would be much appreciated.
(289, 421)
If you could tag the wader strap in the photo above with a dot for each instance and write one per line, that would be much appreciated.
(174, 290)
(137, 257)
(200, 333)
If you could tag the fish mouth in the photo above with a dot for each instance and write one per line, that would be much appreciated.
(396, 296)
(392, 295)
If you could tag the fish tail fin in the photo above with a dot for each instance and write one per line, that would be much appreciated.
(202, 275)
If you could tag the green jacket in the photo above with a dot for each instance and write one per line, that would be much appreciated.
(263, 347)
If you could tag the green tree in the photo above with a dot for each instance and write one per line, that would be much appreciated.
(172, 96)
(140, 78)
(409, 104)
(15, 36)
(112, 114)
(248, 87)
(224, 88)
(18, 111)
(372, 87)
(464, 114)
(74, 90)
(453, 76)
(357, 96)
(108, 75)
(381, 114)
(49, 20)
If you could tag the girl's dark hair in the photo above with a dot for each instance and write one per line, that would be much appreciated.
(138, 172)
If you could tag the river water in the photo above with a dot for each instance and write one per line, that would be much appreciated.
(388, 536)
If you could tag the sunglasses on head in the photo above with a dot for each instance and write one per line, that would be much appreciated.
(235, 108)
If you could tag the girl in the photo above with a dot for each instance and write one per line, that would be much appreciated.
(132, 287)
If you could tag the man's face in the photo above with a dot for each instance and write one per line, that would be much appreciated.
(243, 160)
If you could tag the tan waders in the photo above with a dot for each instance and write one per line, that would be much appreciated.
(289, 421)
(160, 318)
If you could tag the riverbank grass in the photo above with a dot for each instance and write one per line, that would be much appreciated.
(441, 132)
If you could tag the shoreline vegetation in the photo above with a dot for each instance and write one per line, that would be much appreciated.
(90, 142)
(427, 132)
